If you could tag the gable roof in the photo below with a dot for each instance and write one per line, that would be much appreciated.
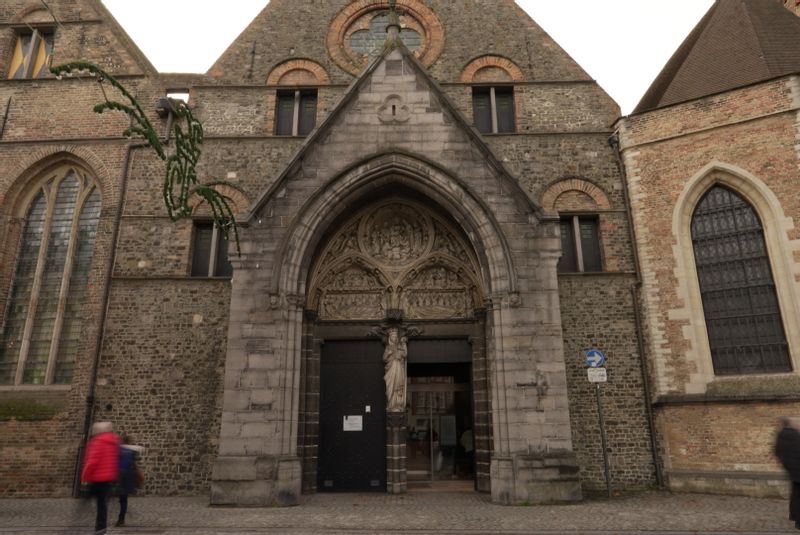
(352, 93)
(737, 43)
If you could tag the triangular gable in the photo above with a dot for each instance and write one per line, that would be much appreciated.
(82, 20)
(124, 39)
(737, 43)
(354, 91)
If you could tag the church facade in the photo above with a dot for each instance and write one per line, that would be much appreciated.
(433, 231)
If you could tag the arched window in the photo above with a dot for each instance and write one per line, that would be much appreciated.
(743, 318)
(42, 324)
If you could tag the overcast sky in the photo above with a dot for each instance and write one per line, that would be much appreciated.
(623, 44)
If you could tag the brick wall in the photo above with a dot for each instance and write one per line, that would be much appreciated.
(717, 432)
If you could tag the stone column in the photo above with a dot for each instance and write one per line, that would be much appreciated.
(396, 432)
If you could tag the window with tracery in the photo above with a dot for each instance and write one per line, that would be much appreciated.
(370, 41)
(740, 302)
(31, 56)
(41, 332)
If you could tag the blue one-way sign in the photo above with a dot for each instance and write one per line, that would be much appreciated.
(595, 358)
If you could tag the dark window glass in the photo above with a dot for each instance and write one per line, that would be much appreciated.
(745, 328)
(17, 311)
(590, 245)
(203, 234)
(504, 101)
(308, 112)
(202, 266)
(482, 109)
(569, 260)
(223, 267)
(284, 115)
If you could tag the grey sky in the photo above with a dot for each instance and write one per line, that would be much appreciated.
(621, 43)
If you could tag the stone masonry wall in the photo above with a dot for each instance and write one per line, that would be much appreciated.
(160, 379)
(597, 311)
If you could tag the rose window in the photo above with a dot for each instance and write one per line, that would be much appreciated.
(358, 32)
(370, 41)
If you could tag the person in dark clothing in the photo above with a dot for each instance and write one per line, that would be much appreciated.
(100, 468)
(787, 449)
(128, 475)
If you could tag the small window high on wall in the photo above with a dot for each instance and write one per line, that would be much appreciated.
(580, 245)
(493, 109)
(740, 302)
(42, 329)
(31, 56)
(296, 113)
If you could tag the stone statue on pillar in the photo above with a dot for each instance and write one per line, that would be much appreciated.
(394, 359)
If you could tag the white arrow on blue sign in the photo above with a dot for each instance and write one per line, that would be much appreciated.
(595, 358)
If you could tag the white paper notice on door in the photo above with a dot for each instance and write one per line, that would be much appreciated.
(353, 423)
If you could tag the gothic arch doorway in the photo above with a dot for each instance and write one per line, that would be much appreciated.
(401, 264)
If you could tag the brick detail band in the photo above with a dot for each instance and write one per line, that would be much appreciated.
(468, 75)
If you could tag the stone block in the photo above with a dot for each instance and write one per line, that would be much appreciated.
(234, 469)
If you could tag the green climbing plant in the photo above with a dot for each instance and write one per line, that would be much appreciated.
(180, 177)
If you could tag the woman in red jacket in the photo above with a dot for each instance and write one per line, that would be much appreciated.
(100, 469)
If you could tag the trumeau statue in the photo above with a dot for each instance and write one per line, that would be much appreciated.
(394, 359)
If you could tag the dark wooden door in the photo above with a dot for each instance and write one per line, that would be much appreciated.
(351, 386)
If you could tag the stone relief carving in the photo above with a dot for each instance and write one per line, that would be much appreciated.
(351, 306)
(394, 111)
(395, 236)
(445, 242)
(395, 255)
(437, 292)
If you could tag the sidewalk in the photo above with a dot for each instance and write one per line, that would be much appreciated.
(413, 514)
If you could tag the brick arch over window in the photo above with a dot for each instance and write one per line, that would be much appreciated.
(236, 198)
(298, 72)
(41, 159)
(33, 13)
(484, 68)
(780, 249)
(558, 196)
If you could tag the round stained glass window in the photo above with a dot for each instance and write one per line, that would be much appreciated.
(369, 41)
(358, 32)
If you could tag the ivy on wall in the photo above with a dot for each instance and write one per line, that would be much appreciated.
(180, 179)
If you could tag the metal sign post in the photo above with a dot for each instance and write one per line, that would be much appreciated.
(595, 359)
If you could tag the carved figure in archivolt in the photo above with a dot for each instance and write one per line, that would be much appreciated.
(446, 243)
(394, 360)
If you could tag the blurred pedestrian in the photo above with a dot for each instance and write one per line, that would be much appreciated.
(100, 469)
(130, 478)
(787, 449)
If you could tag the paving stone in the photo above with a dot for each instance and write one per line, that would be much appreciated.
(414, 513)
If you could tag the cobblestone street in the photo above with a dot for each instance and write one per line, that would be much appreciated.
(416, 513)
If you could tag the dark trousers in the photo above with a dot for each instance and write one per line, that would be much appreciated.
(123, 506)
(100, 491)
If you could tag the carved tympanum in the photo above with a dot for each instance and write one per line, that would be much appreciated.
(395, 235)
(395, 254)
